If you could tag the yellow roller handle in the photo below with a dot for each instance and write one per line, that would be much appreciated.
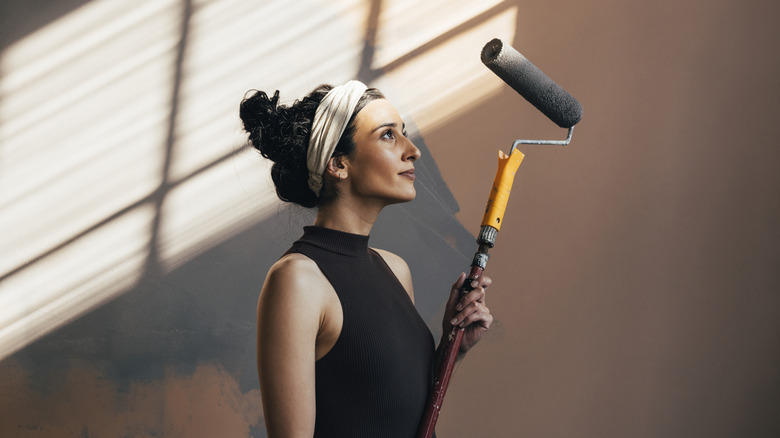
(502, 185)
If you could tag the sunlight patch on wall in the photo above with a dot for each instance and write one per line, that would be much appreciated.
(212, 207)
(85, 110)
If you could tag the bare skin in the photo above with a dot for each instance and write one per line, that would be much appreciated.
(299, 313)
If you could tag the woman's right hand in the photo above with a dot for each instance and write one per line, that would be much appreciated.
(468, 311)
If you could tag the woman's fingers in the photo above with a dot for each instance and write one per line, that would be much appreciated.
(469, 311)
(455, 291)
(476, 294)
(485, 281)
(465, 309)
(473, 312)
(459, 282)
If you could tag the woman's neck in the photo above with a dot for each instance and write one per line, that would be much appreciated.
(350, 217)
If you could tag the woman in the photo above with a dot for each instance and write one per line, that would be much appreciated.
(341, 350)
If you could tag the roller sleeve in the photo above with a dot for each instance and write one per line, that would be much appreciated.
(536, 87)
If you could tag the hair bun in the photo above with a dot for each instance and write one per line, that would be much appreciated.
(260, 115)
(281, 134)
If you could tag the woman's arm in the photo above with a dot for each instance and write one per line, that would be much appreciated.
(290, 313)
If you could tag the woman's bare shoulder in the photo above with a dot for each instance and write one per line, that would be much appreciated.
(294, 264)
(393, 260)
(295, 277)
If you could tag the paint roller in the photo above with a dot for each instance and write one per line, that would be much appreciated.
(560, 107)
(538, 89)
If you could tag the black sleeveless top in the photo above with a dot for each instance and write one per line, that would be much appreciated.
(375, 380)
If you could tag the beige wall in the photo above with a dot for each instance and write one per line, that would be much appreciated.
(636, 274)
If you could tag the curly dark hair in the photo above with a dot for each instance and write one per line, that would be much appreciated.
(281, 134)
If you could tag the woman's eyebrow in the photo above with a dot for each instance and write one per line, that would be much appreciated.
(385, 125)
(389, 125)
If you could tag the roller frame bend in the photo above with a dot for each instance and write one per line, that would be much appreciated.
(544, 142)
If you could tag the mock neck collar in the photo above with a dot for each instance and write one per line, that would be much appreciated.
(339, 242)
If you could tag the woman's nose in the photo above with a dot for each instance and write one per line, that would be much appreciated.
(413, 153)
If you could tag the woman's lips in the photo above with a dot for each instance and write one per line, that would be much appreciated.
(408, 174)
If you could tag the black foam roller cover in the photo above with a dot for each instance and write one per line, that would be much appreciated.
(538, 89)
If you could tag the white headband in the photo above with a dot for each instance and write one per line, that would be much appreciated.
(330, 121)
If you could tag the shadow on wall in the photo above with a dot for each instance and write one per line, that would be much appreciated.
(21, 17)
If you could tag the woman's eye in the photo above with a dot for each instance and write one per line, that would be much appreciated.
(388, 134)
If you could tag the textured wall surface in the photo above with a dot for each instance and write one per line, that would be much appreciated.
(637, 290)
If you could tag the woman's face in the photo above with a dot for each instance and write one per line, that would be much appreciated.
(382, 166)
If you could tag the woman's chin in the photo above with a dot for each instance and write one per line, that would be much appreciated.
(410, 196)
(406, 197)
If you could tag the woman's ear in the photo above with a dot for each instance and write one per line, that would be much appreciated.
(336, 167)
